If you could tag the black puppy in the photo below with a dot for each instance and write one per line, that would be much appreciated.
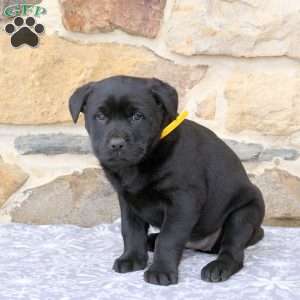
(189, 184)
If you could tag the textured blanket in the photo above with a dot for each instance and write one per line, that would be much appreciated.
(68, 262)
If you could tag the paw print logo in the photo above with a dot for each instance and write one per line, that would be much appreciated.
(24, 32)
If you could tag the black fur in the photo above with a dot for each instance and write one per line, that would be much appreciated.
(190, 184)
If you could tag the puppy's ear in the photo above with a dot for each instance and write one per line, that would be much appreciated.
(166, 96)
(78, 100)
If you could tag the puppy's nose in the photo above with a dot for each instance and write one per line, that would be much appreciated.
(116, 143)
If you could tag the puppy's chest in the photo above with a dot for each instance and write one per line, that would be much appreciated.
(142, 184)
(149, 205)
(146, 194)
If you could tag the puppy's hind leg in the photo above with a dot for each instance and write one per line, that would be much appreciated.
(241, 229)
(151, 238)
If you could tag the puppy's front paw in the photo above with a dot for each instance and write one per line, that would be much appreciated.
(129, 264)
(161, 277)
(219, 270)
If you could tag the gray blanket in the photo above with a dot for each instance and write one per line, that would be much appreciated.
(68, 262)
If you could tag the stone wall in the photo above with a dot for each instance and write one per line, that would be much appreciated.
(235, 64)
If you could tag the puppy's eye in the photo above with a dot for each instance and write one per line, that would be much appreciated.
(100, 116)
(137, 116)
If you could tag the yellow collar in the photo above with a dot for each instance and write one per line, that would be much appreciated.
(173, 125)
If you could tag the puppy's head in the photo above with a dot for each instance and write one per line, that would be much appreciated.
(124, 116)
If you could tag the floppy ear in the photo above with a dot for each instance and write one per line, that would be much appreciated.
(165, 95)
(78, 100)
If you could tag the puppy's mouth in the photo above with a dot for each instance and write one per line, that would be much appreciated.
(117, 156)
(125, 157)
